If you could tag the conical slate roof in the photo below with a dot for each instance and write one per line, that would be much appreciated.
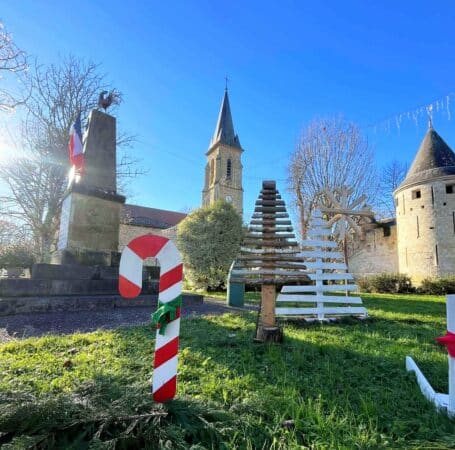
(224, 131)
(433, 160)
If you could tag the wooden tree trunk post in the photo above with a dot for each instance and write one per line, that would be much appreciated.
(268, 297)
(268, 292)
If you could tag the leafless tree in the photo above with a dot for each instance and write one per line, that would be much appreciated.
(13, 62)
(37, 179)
(11, 232)
(331, 153)
(392, 174)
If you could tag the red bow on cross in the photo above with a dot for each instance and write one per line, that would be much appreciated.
(449, 341)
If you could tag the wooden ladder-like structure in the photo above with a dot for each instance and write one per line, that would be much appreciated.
(321, 300)
(269, 256)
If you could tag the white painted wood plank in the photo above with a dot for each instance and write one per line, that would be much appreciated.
(335, 310)
(320, 254)
(271, 250)
(318, 299)
(318, 243)
(319, 232)
(268, 272)
(330, 276)
(326, 288)
(441, 401)
(326, 265)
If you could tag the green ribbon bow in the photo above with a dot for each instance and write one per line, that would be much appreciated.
(166, 312)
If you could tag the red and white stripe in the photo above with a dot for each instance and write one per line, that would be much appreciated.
(171, 279)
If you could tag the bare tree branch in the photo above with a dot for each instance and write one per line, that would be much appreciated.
(331, 154)
(37, 181)
(13, 62)
(392, 174)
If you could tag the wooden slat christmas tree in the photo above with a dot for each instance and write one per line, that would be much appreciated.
(269, 257)
(324, 264)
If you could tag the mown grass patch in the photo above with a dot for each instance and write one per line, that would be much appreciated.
(342, 385)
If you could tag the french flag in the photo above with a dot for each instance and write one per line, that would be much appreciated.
(75, 146)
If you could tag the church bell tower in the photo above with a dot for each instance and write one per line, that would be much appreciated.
(223, 172)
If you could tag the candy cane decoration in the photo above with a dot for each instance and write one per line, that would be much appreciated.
(442, 401)
(167, 316)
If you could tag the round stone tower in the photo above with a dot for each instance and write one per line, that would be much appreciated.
(425, 211)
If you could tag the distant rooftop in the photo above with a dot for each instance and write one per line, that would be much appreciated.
(433, 160)
(150, 217)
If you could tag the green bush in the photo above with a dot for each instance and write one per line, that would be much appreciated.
(209, 239)
(16, 255)
(388, 283)
(364, 284)
(438, 286)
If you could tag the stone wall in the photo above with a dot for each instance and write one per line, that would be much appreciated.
(376, 254)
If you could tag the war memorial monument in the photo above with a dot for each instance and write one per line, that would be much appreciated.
(83, 273)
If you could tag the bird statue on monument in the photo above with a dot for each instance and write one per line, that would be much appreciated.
(106, 99)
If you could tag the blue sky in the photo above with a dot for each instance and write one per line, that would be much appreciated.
(287, 62)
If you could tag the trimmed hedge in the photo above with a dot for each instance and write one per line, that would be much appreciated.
(438, 286)
(387, 283)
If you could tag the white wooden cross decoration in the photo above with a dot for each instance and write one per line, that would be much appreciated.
(344, 210)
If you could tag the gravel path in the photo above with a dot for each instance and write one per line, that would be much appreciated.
(25, 325)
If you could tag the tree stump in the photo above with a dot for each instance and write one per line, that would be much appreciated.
(269, 334)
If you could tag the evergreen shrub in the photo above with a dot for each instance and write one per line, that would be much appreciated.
(388, 283)
(438, 286)
(16, 255)
(209, 240)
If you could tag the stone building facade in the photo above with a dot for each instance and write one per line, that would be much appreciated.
(223, 171)
(138, 220)
(421, 243)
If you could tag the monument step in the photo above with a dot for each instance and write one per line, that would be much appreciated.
(73, 272)
(49, 288)
(29, 305)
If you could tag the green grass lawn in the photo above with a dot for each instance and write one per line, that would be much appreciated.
(343, 385)
(250, 297)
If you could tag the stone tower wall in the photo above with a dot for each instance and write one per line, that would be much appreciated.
(426, 229)
(219, 186)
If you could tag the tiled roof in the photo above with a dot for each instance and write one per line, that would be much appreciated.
(150, 217)
(433, 160)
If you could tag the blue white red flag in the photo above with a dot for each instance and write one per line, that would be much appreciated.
(75, 145)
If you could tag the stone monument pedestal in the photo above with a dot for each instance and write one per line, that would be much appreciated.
(89, 228)
(90, 217)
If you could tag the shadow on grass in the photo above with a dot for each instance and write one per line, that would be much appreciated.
(350, 371)
(343, 385)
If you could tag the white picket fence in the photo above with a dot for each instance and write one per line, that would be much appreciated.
(324, 263)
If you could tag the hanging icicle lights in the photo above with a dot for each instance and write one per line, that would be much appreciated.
(421, 113)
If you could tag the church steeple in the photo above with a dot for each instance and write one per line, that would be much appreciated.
(223, 171)
(224, 131)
